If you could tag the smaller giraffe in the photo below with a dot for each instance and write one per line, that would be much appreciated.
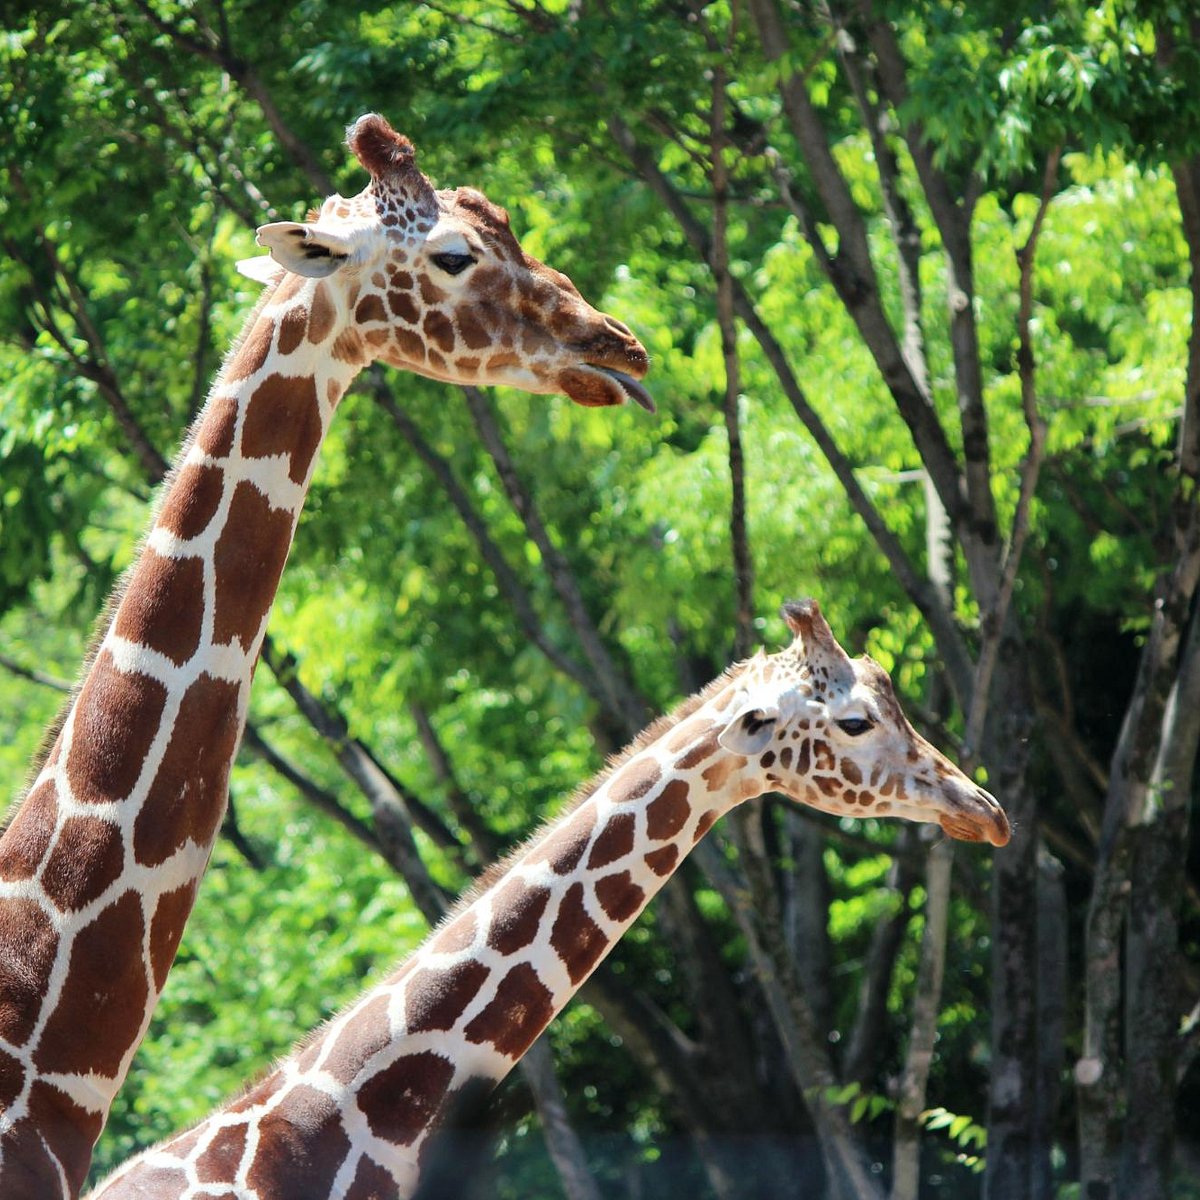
(350, 1113)
(100, 863)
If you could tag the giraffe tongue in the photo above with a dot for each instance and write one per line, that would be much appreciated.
(631, 387)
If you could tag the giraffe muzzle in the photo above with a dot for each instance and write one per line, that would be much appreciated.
(977, 818)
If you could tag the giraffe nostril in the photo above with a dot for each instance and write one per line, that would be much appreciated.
(618, 326)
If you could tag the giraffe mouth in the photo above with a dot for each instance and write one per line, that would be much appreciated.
(990, 825)
(633, 388)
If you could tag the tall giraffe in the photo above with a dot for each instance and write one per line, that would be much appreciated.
(99, 866)
(349, 1114)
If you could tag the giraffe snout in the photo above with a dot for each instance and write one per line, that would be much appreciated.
(975, 815)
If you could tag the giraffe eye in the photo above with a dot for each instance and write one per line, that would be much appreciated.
(854, 726)
(453, 264)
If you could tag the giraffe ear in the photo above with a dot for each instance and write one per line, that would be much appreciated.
(262, 269)
(750, 730)
(305, 249)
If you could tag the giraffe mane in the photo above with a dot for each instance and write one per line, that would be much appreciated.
(491, 874)
(108, 612)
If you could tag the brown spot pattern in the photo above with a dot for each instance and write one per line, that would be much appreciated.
(215, 433)
(166, 928)
(253, 351)
(410, 345)
(666, 814)
(436, 996)
(519, 1011)
(292, 325)
(564, 847)
(100, 1010)
(116, 717)
(301, 1146)
(364, 1035)
(472, 331)
(283, 417)
(223, 1155)
(370, 308)
(348, 347)
(662, 862)
(28, 836)
(688, 733)
(69, 1130)
(705, 748)
(187, 798)
(706, 822)
(321, 315)
(12, 1078)
(804, 757)
(716, 775)
(249, 558)
(615, 841)
(372, 1182)
(576, 938)
(400, 1101)
(619, 896)
(850, 771)
(430, 292)
(516, 915)
(31, 944)
(193, 499)
(404, 307)
(823, 756)
(164, 606)
(87, 857)
(456, 936)
(634, 780)
(439, 330)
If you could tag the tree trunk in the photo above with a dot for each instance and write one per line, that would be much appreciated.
(1013, 1083)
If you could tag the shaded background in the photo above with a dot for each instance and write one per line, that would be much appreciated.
(916, 280)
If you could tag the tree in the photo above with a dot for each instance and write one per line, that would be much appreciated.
(917, 281)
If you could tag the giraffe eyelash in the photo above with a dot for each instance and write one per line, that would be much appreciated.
(453, 264)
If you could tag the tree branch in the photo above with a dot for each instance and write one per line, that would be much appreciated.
(993, 621)
(950, 643)
(743, 562)
(954, 225)
(620, 696)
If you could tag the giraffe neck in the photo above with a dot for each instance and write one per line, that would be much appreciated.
(349, 1114)
(99, 867)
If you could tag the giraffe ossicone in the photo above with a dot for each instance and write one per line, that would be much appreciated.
(350, 1114)
(100, 863)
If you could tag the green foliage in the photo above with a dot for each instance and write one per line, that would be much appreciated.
(144, 169)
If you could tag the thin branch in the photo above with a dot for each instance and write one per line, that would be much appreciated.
(852, 272)
(993, 621)
(620, 696)
(218, 50)
(949, 640)
(485, 845)
(743, 562)
(506, 578)
(394, 810)
(13, 667)
(232, 831)
(315, 795)
(954, 225)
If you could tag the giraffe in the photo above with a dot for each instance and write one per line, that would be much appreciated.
(349, 1113)
(100, 864)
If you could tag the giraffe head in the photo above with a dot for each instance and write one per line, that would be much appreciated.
(826, 729)
(436, 282)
